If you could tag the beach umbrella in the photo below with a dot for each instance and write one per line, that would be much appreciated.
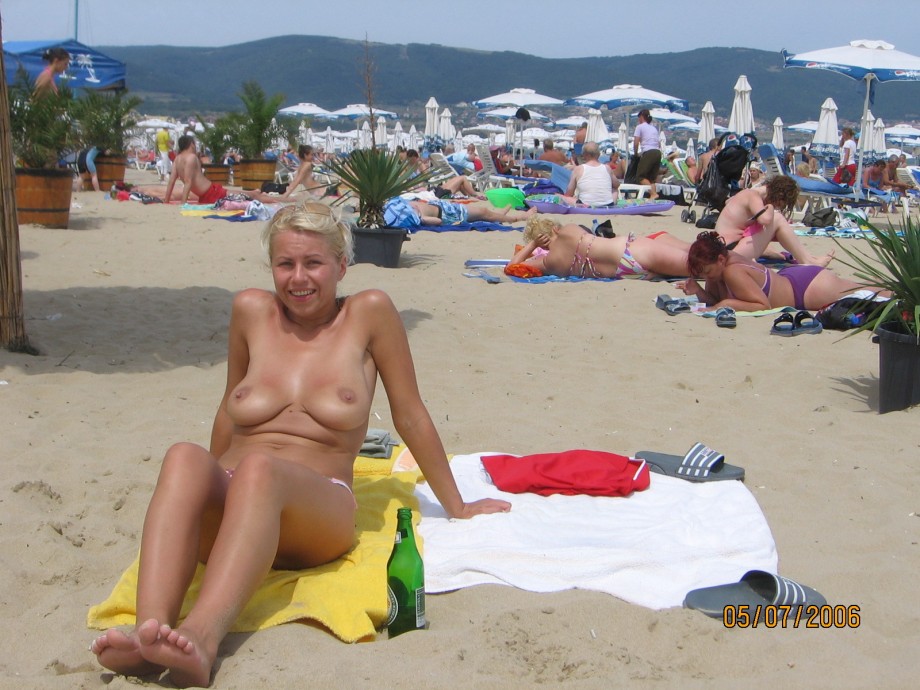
(431, 117)
(623, 138)
(156, 123)
(869, 132)
(627, 95)
(356, 111)
(691, 151)
(778, 140)
(685, 127)
(364, 136)
(707, 125)
(826, 141)
(665, 115)
(879, 147)
(509, 114)
(741, 120)
(415, 139)
(519, 98)
(306, 110)
(902, 133)
(485, 128)
(445, 126)
(380, 134)
(509, 132)
(662, 141)
(573, 121)
(864, 60)
(597, 128)
(330, 141)
(808, 127)
(398, 137)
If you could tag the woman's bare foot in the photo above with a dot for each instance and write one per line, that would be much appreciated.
(121, 653)
(187, 663)
(821, 261)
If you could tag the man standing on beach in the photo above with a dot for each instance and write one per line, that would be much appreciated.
(164, 145)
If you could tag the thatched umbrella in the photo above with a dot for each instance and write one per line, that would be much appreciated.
(12, 324)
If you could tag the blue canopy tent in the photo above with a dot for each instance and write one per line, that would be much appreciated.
(89, 69)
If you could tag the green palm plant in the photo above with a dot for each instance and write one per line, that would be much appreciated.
(104, 119)
(41, 129)
(376, 176)
(891, 264)
(256, 128)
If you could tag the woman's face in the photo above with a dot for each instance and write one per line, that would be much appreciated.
(714, 270)
(305, 271)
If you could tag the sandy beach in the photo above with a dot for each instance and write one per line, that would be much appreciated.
(129, 308)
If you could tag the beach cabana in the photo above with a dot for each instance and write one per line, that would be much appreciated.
(88, 69)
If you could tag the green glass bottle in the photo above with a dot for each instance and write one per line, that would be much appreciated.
(405, 580)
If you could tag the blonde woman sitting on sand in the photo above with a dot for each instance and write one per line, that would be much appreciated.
(735, 281)
(274, 488)
(570, 250)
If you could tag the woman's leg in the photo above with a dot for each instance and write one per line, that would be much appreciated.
(276, 512)
(186, 502)
(660, 256)
(827, 287)
(754, 246)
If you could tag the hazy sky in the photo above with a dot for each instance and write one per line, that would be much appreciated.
(546, 28)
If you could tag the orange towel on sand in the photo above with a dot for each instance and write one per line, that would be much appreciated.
(590, 472)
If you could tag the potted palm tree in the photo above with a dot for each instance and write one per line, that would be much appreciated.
(104, 120)
(42, 134)
(216, 139)
(376, 176)
(892, 263)
(253, 131)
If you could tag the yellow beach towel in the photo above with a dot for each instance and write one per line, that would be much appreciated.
(347, 596)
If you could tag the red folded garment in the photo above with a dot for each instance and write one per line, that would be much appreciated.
(590, 472)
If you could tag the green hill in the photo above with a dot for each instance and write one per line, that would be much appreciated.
(330, 72)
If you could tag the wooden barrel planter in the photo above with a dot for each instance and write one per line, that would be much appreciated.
(250, 173)
(218, 173)
(43, 197)
(109, 170)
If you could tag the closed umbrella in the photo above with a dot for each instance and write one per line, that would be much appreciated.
(398, 137)
(445, 126)
(825, 144)
(866, 149)
(364, 136)
(707, 125)
(778, 140)
(865, 60)
(627, 95)
(431, 117)
(597, 128)
(415, 139)
(623, 138)
(691, 150)
(879, 147)
(380, 134)
(330, 142)
(302, 132)
(741, 120)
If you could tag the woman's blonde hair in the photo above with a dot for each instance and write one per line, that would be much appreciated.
(312, 216)
(539, 227)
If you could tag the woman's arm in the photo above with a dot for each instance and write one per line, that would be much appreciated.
(525, 252)
(740, 282)
(244, 305)
(389, 347)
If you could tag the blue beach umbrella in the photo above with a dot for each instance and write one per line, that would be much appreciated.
(628, 95)
(863, 60)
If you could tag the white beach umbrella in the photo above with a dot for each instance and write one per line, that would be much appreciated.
(415, 139)
(431, 118)
(778, 140)
(380, 134)
(902, 130)
(807, 127)
(864, 60)
(573, 121)
(866, 147)
(364, 136)
(509, 114)
(597, 128)
(485, 128)
(665, 115)
(306, 110)
(445, 126)
(623, 138)
(692, 126)
(398, 138)
(707, 124)
(627, 95)
(879, 147)
(662, 141)
(691, 149)
(355, 111)
(330, 141)
(741, 120)
(826, 141)
(519, 98)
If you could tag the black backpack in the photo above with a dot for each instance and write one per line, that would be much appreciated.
(713, 189)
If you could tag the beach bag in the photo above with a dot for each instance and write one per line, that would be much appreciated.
(822, 218)
(713, 189)
(631, 170)
(846, 313)
(273, 188)
(708, 221)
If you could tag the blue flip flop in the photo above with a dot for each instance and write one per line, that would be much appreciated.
(700, 464)
(725, 317)
(756, 588)
(783, 325)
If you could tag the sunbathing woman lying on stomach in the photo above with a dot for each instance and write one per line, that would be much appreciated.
(274, 488)
(570, 250)
(735, 281)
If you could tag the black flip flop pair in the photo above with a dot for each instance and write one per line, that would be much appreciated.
(802, 323)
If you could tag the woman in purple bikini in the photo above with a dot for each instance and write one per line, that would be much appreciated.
(735, 281)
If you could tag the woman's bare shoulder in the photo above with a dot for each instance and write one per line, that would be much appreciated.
(253, 300)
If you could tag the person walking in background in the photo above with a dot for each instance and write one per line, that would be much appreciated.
(58, 60)
(846, 171)
(164, 145)
(646, 142)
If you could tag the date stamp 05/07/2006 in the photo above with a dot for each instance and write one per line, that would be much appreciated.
(784, 616)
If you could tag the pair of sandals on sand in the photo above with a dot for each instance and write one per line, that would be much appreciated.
(756, 587)
(802, 323)
(725, 316)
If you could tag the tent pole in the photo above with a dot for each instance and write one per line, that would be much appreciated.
(76, 20)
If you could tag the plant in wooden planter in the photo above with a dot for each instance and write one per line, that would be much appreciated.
(104, 120)
(217, 140)
(41, 132)
(253, 131)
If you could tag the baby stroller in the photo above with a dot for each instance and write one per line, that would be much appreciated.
(723, 176)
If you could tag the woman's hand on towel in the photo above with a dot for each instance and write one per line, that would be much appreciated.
(483, 506)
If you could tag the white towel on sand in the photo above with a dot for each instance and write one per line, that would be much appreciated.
(648, 549)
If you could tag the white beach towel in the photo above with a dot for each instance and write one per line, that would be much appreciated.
(648, 549)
